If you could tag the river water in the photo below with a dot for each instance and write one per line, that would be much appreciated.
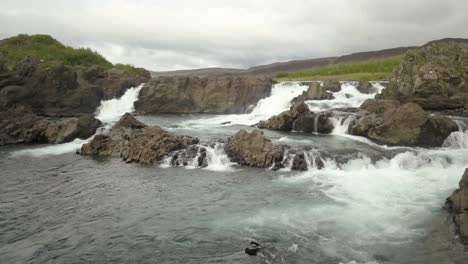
(369, 204)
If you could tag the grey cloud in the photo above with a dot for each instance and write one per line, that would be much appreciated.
(163, 35)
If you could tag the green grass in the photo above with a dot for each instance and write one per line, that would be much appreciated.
(46, 48)
(365, 70)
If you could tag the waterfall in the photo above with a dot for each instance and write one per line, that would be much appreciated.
(109, 112)
(341, 124)
(278, 101)
(348, 96)
(215, 159)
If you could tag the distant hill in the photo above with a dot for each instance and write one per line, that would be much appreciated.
(307, 64)
(46, 48)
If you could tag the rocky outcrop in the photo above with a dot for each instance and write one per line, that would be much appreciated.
(55, 89)
(194, 155)
(133, 141)
(299, 118)
(433, 77)
(386, 122)
(315, 92)
(23, 127)
(365, 87)
(457, 205)
(332, 86)
(252, 149)
(178, 94)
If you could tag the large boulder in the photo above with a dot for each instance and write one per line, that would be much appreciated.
(433, 77)
(365, 87)
(217, 95)
(252, 149)
(384, 121)
(314, 92)
(55, 89)
(134, 142)
(299, 118)
(67, 129)
(332, 86)
(23, 127)
(457, 204)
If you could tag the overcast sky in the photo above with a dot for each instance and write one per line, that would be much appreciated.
(183, 34)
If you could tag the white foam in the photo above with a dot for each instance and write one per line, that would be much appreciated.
(52, 149)
(348, 96)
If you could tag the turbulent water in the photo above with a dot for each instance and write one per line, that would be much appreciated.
(369, 204)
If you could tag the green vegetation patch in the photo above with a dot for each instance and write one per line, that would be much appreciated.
(46, 48)
(365, 70)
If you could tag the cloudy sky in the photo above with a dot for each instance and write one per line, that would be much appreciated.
(183, 34)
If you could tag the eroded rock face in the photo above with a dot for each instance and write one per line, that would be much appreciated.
(315, 92)
(385, 121)
(217, 95)
(457, 205)
(55, 89)
(252, 149)
(433, 77)
(133, 141)
(23, 127)
(299, 118)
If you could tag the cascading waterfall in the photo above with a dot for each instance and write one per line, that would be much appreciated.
(216, 159)
(109, 112)
(348, 96)
(278, 101)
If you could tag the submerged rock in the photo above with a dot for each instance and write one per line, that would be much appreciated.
(217, 95)
(252, 149)
(193, 155)
(135, 142)
(457, 205)
(384, 121)
(433, 77)
(23, 127)
(253, 249)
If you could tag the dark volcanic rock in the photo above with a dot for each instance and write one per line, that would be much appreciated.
(252, 149)
(365, 87)
(134, 143)
(315, 92)
(433, 77)
(55, 89)
(386, 122)
(178, 94)
(194, 154)
(332, 86)
(25, 127)
(301, 119)
(299, 162)
(129, 121)
(457, 204)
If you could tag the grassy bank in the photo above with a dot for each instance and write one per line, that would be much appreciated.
(367, 70)
(46, 48)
